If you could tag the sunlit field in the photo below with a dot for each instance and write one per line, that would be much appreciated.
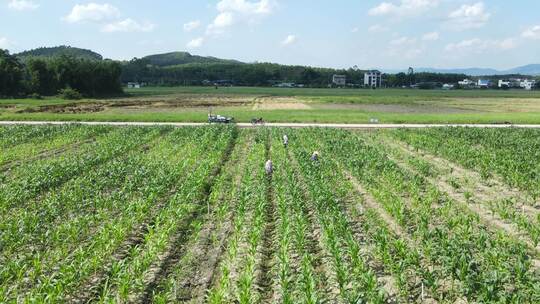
(132, 214)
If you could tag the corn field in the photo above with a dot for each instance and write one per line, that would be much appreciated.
(189, 215)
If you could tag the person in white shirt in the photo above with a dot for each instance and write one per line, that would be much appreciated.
(268, 167)
(285, 140)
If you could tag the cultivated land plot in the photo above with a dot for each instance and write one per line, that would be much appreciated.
(192, 104)
(189, 215)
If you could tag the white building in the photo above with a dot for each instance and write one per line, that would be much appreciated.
(527, 84)
(339, 80)
(504, 83)
(448, 86)
(467, 83)
(133, 85)
(373, 79)
(484, 83)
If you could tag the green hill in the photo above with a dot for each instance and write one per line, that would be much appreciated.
(180, 58)
(52, 52)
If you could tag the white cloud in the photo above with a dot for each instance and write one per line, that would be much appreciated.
(246, 7)
(289, 40)
(532, 33)
(403, 41)
(92, 12)
(355, 30)
(220, 23)
(231, 12)
(22, 5)
(195, 43)
(433, 36)
(480, 46)
(224, 19)
(4, 43)
(469, 17)
(128, 25)
(403, 8)
(192, 25)
(377, 28)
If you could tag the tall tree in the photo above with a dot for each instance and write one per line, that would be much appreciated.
(11, 75)
(42, 77)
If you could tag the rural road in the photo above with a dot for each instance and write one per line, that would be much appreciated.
(284, 125)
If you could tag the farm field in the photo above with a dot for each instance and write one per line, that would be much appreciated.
(189, 215)
(191, 104)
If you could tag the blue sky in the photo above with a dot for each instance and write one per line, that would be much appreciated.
(386, 34)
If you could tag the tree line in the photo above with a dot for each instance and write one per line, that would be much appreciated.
(49, 76)
(244, 74)
(267, 74)
(424, 78)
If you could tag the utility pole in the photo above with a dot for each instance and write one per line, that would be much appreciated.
(411, 74)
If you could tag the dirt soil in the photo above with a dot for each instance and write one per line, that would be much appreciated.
(279, 103)
(400, 108)
(137, 104)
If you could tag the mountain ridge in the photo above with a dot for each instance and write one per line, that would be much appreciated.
(57, 51)
(182, 58)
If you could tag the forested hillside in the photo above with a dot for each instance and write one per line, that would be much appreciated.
(177, 58)
(46, 76)
(249, 74)
(58, 51)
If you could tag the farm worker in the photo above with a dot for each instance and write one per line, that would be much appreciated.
(285, 140)
(315, 156)
(268, 167)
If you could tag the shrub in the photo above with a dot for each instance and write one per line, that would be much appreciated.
(35, 96)
(70, 94)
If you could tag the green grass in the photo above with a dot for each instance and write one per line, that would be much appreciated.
(327, 105)
(321, 116)
(382, 93)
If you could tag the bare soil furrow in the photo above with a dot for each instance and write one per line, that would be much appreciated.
(205, 253)
(45, 154)
(266, 250)
(94, 286)
(177, 248)
(493, 189)
(328, 288)
(372, 203)
(486, 216)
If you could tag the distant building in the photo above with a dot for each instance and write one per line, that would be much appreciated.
(484, 83)
(448, 86)
(285, 85)
(467, 83)
(527, 84)
(373, 79)
(133, 85)
(504, 84)
(339, 80)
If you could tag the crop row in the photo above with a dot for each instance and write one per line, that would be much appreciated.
(29, 180)
(106, 206)
(162, 215)
(481, 263)
(511, 153)
(66, 138)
